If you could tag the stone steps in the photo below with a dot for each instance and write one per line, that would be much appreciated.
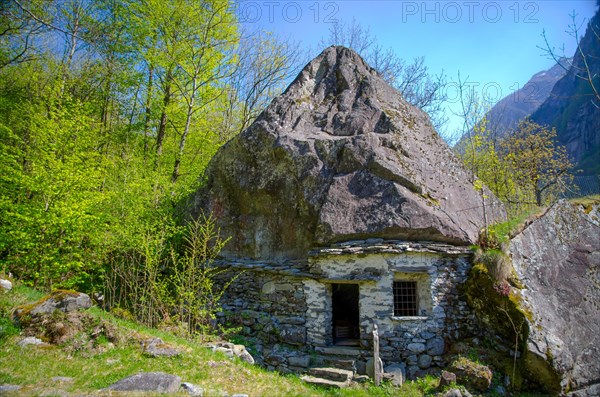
(324, 382)
(334, 374)
(341, 363)
(345, 351)
(342, 357)
(329, 377)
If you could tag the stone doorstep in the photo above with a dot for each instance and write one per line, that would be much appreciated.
(324, 382)
(341, 363)
(333, 374)
(339, 351)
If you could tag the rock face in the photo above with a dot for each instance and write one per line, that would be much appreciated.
(339, 156)
(510, 110)
(557, 258)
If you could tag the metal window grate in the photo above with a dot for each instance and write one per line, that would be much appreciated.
(405, 298)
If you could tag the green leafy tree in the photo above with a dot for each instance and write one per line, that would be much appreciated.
(523, 169)
(536, 162)
(50, 178)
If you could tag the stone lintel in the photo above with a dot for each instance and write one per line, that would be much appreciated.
(411, 318)
(414, 269)
(348, 280)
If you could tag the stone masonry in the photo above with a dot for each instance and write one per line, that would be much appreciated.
(285, 309)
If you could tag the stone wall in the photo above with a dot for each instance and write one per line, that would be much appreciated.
(286, 309)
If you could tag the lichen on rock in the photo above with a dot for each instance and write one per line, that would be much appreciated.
(558, 259)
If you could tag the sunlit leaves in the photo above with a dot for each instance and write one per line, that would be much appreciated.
(525, 168)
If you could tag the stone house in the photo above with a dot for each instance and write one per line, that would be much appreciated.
(328, 306)
(345, 209)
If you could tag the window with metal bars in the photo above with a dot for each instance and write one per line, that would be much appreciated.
(405, 298)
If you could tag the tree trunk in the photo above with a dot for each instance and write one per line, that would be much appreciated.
(148, 109)
(186, 130)
(162, 128)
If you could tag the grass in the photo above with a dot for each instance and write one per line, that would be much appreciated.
(33, 367)
(587, 202)
(499, 234)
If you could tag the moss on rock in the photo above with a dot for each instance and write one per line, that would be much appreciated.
(471, 373)
(490, 291)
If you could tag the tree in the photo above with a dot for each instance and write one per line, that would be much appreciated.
(414, 81)
(49, 177)
(584, 64)
(536, 163)
(471, 112)
(78, 109)
(264, 63)
(206, 36)
(522, 169)
(17, 33)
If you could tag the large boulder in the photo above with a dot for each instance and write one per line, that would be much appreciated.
(340, 155)
(557, 257)
(61, 318)
(61, 300)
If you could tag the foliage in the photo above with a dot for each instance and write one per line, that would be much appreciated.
(537, 164)
(169, 280)
(50, 174)
(587, 202)
(498, 235)
(109, 113)
(500, 311)
(525, 169)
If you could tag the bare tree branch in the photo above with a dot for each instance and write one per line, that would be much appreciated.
(45, 23)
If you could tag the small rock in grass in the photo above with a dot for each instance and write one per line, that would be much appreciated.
(361, 379)
(5, 285)
(447, 378)
(148, 381)
(192, 389)
(453, 393)
(155, 347)
(8, 388)
(63, 379)
(31, 340)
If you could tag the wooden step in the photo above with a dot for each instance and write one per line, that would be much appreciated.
(333, 374)
(324, 382)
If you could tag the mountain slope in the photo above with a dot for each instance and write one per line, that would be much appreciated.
(506, 114)
(510, 110)
(572, 107)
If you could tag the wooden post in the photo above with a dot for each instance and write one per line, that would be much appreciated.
(377, 370)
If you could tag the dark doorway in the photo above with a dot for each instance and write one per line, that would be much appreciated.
(344, 301)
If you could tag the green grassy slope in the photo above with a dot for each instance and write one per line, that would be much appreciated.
(96, 367)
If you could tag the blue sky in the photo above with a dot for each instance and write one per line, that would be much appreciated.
(494, 43)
